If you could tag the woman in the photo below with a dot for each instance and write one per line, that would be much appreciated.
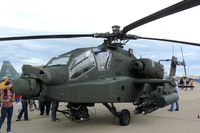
(7, 98)
(3, 87)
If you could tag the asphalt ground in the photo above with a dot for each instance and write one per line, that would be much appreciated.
(101, 120)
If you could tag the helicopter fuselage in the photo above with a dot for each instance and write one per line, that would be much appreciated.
(94, 75)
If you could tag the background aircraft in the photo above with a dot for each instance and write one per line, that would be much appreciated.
(7, 69)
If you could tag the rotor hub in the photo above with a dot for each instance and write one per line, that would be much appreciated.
(116, 29)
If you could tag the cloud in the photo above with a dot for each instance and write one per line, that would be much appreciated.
(36, 17)
(33, 61)
(195, 66)
(136, 45)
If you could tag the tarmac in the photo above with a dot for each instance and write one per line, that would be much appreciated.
(101, 120)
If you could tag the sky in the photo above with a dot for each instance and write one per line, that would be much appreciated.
(36, 17)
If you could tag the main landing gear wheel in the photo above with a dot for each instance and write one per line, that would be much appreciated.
(124, 117)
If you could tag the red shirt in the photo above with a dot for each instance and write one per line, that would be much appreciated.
(17, 96)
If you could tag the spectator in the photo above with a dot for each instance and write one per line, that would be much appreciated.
(7, 98)
(182, 82)
(54, 109)
(24, 110)
(176, 91)
(30, 104)
(17, 100)
(34, 104)
(187, 83)
(191, 84)
(44, 104)
(3, 82)
(3, 86)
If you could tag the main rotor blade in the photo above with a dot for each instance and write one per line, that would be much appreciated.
(183, 5)
(168, 40)
(45, 37)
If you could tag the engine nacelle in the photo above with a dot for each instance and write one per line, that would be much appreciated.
(147, 68)
(26, 87)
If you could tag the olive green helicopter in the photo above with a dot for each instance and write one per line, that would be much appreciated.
(104, 74)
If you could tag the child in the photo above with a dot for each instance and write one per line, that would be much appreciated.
(7, 98)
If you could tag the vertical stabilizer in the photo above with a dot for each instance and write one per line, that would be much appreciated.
(8, 70)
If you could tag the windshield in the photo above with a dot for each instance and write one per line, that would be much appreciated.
(59, 60)
(81, 64)
(103, 59)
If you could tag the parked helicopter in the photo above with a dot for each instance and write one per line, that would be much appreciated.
(103, 74)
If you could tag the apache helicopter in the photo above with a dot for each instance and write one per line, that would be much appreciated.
(103, 74)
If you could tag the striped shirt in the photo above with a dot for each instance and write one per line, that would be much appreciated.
(6, 98)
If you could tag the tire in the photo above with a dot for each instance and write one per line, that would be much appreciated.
(124, 117)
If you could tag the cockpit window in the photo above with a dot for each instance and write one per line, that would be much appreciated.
(59, 60)
(102, 58)
(81, 64)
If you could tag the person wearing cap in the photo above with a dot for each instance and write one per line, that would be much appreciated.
(3, 86)
(176, 91)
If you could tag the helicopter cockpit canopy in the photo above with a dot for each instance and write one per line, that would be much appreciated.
(86, 61)
(81, 64)
(59, 60)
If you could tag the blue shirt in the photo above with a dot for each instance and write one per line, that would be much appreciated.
(176, 90)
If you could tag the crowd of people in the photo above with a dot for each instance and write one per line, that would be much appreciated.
(7, 97)
(186, 82)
